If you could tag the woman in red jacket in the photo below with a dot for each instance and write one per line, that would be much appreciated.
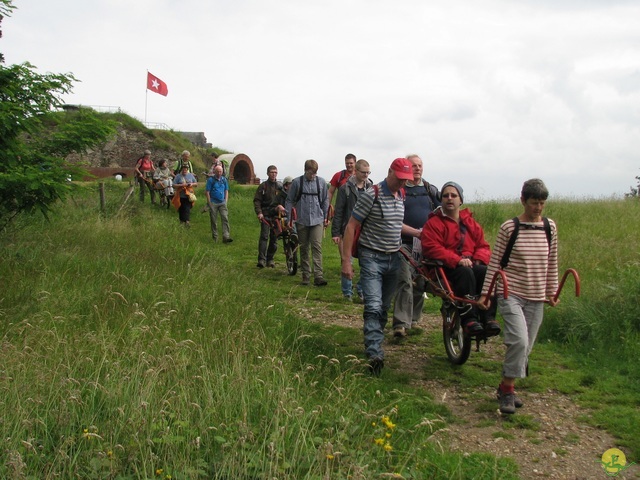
(452, 236)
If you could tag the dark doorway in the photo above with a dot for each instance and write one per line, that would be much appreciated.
(242, 173)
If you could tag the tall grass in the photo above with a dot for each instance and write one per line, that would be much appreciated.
(133, 348)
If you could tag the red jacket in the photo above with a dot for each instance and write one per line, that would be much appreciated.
(441, 237)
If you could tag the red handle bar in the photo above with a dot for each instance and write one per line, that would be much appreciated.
(576, 280)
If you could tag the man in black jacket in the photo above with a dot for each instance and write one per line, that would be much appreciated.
(265, 204)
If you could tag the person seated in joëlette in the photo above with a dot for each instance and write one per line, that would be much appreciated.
(452, 236)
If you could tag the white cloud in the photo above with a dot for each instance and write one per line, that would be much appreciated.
(489, 93)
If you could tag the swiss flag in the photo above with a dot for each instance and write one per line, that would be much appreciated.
(156, 85)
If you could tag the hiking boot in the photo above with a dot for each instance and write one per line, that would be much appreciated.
(305, 281)
(347, 298)
(517, 401)
(399, 332)
(227, 240)
(375, 366)
(506, 402)
(472, 327)
(271, 264)
(260, 265)
(319, 282)
(492, 328)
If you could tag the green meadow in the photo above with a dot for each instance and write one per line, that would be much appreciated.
(133, 348)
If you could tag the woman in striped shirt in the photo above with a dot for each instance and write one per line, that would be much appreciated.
(532, 275)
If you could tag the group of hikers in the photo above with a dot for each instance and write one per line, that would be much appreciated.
(405, 212)
(399, 218)
(179, 183)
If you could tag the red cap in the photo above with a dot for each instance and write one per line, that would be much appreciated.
(402, 167)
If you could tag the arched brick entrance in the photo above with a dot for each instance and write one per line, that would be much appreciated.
(241, 168)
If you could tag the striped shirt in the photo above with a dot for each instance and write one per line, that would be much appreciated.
(381, 219)
(532, 271)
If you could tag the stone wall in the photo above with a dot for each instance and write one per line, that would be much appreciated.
(123, 150)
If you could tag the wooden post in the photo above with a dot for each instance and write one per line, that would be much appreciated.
(103, 202)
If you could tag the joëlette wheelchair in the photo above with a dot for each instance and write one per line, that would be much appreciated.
(285, 231)
(429, 275)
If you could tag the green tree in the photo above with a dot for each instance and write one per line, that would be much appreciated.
(634, 191)
(35, 138)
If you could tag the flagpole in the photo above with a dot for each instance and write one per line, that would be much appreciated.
(146, 96)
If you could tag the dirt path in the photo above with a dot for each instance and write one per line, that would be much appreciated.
(558, 445)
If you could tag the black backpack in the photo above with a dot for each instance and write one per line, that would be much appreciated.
(300, 192)
(514, 235)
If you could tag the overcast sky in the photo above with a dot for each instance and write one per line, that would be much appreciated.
(488, 92)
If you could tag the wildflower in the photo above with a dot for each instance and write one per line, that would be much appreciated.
(90, 433)
(329, 456)
(388, 423)
(109, 453)
(379, 441)
(388, 435)
(373, 424)
(159, 471)
(387, 447)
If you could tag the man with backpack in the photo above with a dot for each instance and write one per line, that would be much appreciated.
(184, 160)
(265, 203)
(345, 201)
(217, 191)
(421, 198)
(308, 194)
(341, 177)
(378, 216)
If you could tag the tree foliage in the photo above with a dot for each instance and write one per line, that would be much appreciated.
(35, 137)
(634, 191)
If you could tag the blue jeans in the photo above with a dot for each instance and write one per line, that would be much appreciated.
(347, 286)
(379, 277)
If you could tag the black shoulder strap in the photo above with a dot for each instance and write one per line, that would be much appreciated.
(512, 240)
(514, 235)
(300, 192)
(547, 230)
(299, 195)
(433, 196)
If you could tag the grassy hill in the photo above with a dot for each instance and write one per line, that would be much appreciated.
(132, 138)
(133, 348)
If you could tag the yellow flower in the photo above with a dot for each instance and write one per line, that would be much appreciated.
(159, 471)
(373, 424)
(329, 457)
(388, 447)
(388, 423)
(388, 435)
(379, 441)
